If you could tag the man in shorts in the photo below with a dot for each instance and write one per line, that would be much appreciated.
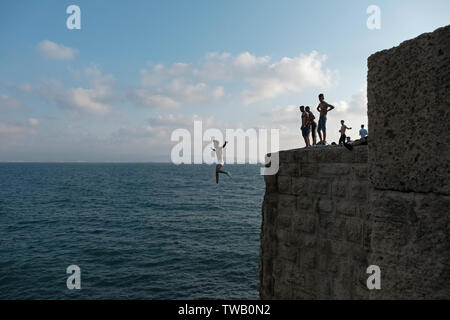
(305, 126)
(313, 124)
(342, 131)
(323, 109)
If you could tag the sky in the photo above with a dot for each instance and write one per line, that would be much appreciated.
(116, 89)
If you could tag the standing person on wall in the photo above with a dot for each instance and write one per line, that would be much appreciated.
(305, 126)
(323, 109)
(313, 124)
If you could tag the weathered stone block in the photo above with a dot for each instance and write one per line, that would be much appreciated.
(309, 169)
(300, 186)
(325, 206)
(288, 169)
(271, 183)
(359, 190)
(339, 189)
(304, 204)
(287, 201)
(304, 223)
(307, 259)
(287, 252)
(286, 156)
(353, 230)
(334, 169)
(284, 184)
(361, 171)
(346, 208)
(410, 237)
(408, 100)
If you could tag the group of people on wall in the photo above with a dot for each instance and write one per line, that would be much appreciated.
(310, 128)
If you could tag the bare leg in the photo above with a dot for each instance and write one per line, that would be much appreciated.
(217, 172)
(320, 135)
(306, 142)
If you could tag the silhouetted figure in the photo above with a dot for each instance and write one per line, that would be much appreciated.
(312, 125)
(323, 109)
(342, 131)
(305, 126)
(362, 132)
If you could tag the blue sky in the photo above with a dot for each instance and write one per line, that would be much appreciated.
(117, 88)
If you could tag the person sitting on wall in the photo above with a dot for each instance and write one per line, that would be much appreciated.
(312, 124)
(349, 141)
(359, 142)
(362, 132)
(305, 126)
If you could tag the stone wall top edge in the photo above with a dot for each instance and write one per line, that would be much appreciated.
(323, 154)
(373, 57)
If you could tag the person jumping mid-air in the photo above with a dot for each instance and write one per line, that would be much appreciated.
(219, 154)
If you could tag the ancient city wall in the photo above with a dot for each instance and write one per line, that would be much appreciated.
(409, 153)
(329, 213)
(314, 239)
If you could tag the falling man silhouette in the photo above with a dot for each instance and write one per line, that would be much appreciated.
(219, 154)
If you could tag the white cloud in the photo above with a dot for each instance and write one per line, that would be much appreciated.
(87, 100)
(7, 102)
(342, 106)
(181, 121)
(357, 104)
(248, 61)
(156, 92)
(180, 83)
(56, 51)
(287, 75)
(95, 99)
(279, 115)
(148, 99)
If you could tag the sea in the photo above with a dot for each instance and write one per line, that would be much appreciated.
(134, 230)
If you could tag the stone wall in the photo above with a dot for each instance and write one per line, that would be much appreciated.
(408, 92)
(409, 154)
(314, 239)
(329, 213)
